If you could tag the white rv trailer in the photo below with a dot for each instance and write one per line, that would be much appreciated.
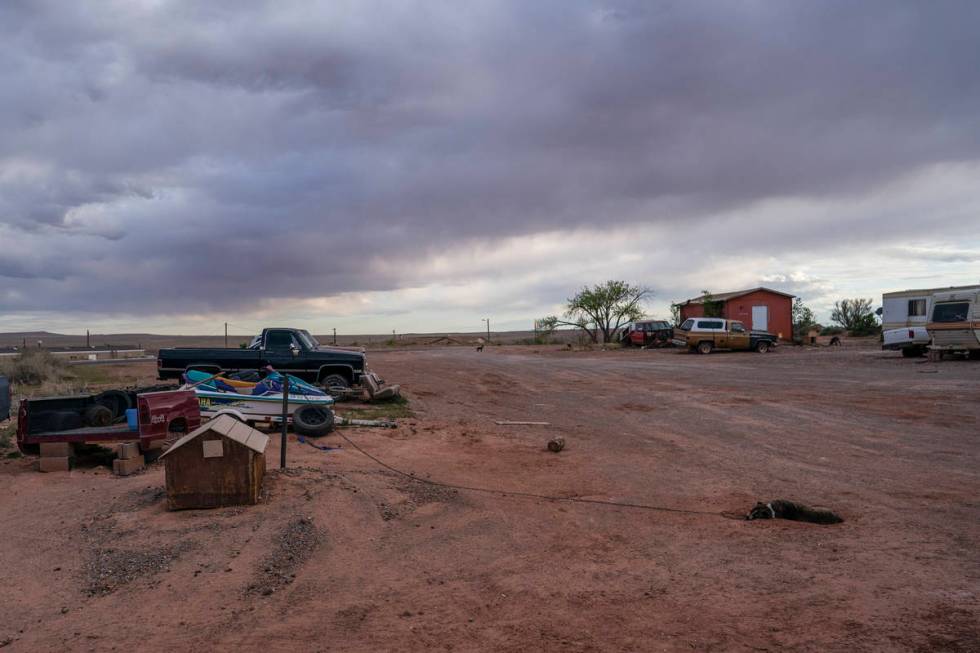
(904, 316)
(954, 323)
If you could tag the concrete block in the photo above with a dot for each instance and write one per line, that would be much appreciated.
(55, 464)
(125, 467)
(128, 450)
(56, 449)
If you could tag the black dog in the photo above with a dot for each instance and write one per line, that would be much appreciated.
(782, 509)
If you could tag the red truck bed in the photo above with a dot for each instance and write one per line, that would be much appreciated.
(162, 414)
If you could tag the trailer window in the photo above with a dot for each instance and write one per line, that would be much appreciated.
(917, 308)
(953, 312)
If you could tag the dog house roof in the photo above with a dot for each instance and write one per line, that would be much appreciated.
(230, 428)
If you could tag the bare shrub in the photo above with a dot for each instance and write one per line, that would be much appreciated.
(34, 367)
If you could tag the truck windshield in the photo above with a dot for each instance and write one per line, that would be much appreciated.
(953, 312)
(687, 325)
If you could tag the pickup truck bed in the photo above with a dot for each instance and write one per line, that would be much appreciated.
(160, 415)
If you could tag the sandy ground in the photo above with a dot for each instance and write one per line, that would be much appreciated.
(343, 555)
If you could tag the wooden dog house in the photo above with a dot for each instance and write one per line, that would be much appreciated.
(219, 464)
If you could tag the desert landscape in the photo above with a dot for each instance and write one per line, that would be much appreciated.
(344, 553)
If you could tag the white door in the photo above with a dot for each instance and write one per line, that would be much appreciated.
(760, 318)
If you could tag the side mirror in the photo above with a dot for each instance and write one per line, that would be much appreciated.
(294, 350)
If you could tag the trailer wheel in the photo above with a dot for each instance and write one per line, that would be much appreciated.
(312, 421)
(98, 415)
(705, 347)
(762, 346)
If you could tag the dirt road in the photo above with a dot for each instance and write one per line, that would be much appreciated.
(346, 555)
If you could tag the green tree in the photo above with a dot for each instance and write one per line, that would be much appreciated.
(803, 319)
(856, 316)
(712, 306)
(601, 310)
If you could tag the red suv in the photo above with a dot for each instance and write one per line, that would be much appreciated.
(649, 333)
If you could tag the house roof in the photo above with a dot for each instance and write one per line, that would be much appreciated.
(229, 427)
(725, 296)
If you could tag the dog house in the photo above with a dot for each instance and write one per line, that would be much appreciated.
(219, 464)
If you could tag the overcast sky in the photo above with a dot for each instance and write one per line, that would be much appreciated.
(168, 166)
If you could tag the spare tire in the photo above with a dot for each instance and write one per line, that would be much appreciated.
(67, 420)
(312, 421)
(115, 400)
(98, 415)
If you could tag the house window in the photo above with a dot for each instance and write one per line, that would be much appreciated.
(917, 308)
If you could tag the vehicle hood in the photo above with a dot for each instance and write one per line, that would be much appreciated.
(340, 350)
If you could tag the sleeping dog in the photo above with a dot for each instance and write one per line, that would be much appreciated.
(782, 509)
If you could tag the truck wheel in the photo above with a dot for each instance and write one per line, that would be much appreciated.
(912, 352)
(762, 346)
(116, 401)
(705, 347)
(98, 415)
(312, 421)
(67, 420)
(334, 381)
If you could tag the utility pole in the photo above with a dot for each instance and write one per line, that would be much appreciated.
(335, 336)
(487, 320)
(226, 335)
(88, 343)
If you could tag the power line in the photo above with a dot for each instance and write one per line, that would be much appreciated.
(532, 495)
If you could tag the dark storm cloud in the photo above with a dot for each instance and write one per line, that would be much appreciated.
(171, 156)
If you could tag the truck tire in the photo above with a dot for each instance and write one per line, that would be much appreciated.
(312, 421)
(334, 381)
(67, 420)
(116, 401)
(762, 346)
(705, 347)
(97, 415)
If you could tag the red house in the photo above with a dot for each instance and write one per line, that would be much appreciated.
(762, 309)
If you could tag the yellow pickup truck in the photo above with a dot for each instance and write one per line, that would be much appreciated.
(705, 334)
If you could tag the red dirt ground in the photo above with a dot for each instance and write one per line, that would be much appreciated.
(345, 556)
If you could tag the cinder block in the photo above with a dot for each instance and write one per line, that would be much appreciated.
(125, 467)
(55, 464)
(56, 449)
(128, 450)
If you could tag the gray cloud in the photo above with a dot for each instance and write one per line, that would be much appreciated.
(195, 156)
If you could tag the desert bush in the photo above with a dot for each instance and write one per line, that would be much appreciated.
(831, 331)
(34, 367)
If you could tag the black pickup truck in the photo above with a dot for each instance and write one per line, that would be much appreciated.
(290, 351)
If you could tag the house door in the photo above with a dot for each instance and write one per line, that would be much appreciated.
(760, 318)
